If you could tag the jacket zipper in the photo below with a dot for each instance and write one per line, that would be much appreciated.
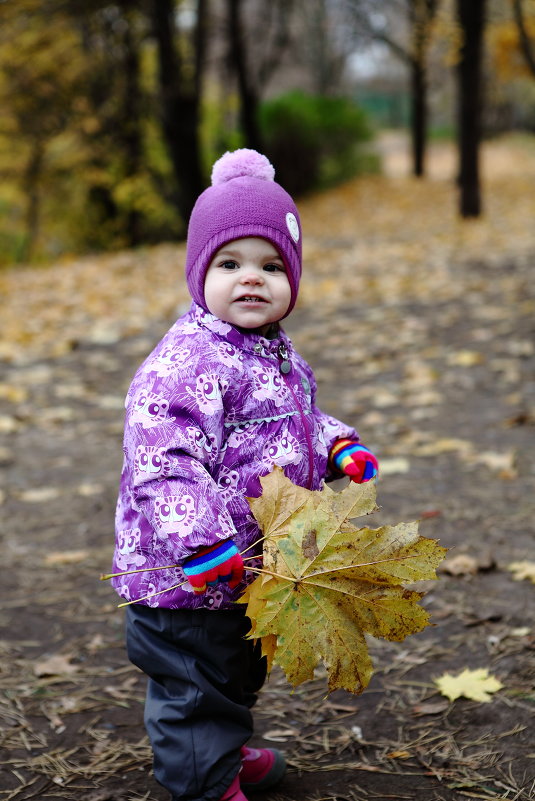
(285, 367)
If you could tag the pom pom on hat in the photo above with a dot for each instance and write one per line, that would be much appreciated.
(242, 163)
(244, 200)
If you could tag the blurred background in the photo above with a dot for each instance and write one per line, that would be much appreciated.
(112, 113)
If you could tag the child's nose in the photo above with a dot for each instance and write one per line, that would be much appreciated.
(251, 277)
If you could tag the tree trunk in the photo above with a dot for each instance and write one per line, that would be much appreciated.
(247, 92)
(32, 175)
(418, 116)
(471, 14)
(180, 109)
(421, 14)
(131, 125)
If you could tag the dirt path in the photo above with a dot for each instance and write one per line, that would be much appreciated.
(435, 365)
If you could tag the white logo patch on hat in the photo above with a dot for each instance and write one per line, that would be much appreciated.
(293, 226)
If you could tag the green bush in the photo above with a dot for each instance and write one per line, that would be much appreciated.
(314, 141)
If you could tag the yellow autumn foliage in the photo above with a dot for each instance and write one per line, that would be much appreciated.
(505, 48)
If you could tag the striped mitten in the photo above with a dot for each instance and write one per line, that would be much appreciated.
(354, 460)
(218, 563)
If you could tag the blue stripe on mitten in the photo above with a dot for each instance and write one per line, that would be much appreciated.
(218, 563)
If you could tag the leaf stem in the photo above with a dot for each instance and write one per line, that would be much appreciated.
(151, 595)
(106, 576)
(253, 545)
(275, 575)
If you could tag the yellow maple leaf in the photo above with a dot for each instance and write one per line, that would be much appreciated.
(326, 583)
(477, 685)
(522, 570)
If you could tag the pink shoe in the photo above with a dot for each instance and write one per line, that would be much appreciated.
(234, 792)
(261, 768)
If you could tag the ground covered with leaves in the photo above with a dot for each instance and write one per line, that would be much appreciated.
(421, 330)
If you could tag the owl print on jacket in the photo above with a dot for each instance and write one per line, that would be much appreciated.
(206, 393)
(149, 409)
(151, 462)
(282, 450)
(175, 514)
(128, 549)
(269, 383)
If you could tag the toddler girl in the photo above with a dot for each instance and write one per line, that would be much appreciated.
(222, 399)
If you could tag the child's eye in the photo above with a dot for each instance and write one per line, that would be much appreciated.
(229, 265)
(274, 268)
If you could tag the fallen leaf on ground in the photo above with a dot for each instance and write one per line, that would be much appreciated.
(502, 463)
(477, 685)
(325, 583)
(8, 424)
(390, 467)
(66, 557)
(86, 490)
(464, 564)
(57, 665)
(466, 358)
(13, 393)
(95, 644)
(39, 494)
(522, 570)
(460, 565)
(446, 445)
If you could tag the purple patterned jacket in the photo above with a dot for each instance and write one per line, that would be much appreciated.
(210, 411)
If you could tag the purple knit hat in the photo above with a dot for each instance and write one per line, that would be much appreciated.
(244, 200)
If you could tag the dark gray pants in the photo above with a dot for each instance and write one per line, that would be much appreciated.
(203, 676)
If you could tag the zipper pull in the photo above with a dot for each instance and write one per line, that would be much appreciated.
(285, 365)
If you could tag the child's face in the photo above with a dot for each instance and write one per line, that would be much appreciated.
(246, 284)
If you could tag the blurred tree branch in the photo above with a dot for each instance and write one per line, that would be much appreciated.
(526, 45)
(413, 52)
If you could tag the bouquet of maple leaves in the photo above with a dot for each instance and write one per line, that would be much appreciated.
(325, 583)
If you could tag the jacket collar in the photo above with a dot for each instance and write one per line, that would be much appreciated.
(240, 338)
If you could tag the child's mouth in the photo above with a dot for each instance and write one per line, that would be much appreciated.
(251, 299)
